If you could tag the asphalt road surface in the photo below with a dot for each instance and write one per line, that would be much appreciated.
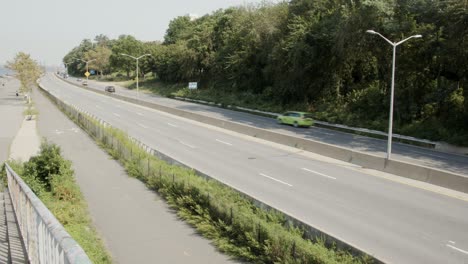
(397, 221)
(412, 154)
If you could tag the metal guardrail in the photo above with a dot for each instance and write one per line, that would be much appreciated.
(45, 239)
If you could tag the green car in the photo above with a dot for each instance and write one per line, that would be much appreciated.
(296, 119)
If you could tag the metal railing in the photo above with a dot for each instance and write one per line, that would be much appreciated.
(45, 239)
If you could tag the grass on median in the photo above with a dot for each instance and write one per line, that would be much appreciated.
(235, 225)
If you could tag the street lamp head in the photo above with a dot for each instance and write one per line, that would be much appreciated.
(123, 54)
(418, 36)
(370, 31)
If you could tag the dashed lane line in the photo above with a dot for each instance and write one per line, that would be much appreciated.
(224, 142)
(318, 173)
(276, 180)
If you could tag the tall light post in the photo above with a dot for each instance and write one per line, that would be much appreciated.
(137, 59)
(390, 121)
(87, 68)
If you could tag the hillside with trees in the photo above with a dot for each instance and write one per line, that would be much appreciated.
(315, 55)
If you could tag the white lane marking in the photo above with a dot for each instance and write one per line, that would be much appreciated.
(143, 126)
(318, 173)
(457, 249)
(172, 125)
(185, 144)
(276, 180)
(452, 242)
(224, 142)
(140, 114)
(117, 115)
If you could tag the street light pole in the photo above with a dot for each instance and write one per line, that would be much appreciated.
(87, 68)
(137, 59)
(390, 121)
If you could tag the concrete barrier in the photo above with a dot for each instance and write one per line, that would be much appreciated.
(434, 176)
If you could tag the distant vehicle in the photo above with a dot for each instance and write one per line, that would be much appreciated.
(110, 89)
(297, 119)
(85, 83)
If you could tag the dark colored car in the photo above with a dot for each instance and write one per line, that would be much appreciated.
(110, 89)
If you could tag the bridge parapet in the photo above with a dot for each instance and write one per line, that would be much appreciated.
(45, 239)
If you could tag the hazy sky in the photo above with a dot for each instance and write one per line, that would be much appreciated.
(48, 29)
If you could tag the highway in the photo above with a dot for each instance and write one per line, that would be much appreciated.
(412, 154)
(397, 222)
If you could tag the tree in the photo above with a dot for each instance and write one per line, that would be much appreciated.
(127, 45)
(72, 59)
(27, 70)
(101, 54)
(179, 28)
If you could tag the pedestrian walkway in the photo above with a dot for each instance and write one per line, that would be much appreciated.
(26, 143)
(11, 117)
(136, 225)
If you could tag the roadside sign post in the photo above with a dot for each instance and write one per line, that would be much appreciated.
(192, 85)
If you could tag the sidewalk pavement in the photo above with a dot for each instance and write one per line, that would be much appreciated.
(26, 143)
(11, 118)
(136, 225)
(11, 115)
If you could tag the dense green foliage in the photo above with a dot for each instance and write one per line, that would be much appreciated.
(231, 221)
(315, 54)
(51, 178)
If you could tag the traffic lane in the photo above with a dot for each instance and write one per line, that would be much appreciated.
(249, 154)
(401, 200)
(274, 192)
(413, 154)
(157, 121)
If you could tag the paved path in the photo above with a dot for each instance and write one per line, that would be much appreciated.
(11, 115)
(136, 225)
(26, 143)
